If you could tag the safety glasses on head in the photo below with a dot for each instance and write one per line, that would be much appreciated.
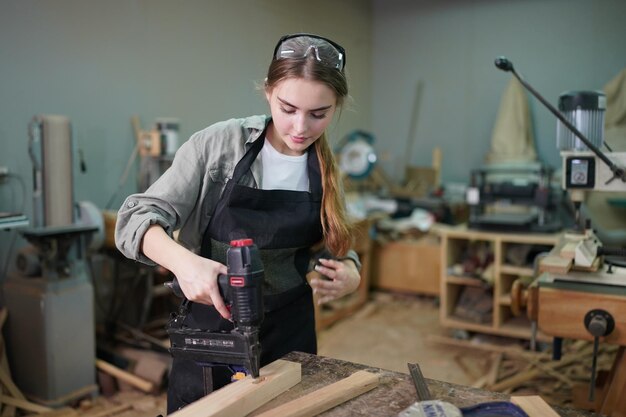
(302, 45)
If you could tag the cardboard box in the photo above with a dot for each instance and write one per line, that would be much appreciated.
(408, 266)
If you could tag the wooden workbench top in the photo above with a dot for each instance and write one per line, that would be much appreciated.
(394, 393)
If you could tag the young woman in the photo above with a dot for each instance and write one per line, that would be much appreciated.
(270, 178)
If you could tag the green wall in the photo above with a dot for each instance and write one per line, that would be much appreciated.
(100, 62)
(450, 47)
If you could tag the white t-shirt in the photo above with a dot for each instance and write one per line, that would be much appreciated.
(283, 172)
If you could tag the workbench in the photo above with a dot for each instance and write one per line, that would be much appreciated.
(394, 393)
(562, 300)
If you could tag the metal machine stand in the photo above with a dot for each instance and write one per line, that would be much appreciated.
(50, 326)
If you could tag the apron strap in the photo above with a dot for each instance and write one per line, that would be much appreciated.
(246, 161)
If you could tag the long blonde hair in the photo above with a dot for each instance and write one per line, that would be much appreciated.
(333, 216)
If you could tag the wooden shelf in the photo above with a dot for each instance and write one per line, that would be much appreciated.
(521, 326)
(461, 280)
(454, 242)
(504, 300)
(459, 323)
(516, 270)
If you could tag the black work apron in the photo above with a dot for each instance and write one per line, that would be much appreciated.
(284, 225)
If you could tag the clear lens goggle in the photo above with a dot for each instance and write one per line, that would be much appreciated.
(302, 45)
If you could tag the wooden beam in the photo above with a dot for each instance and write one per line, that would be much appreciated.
(326, 398)
(243, 396)
(5, 372)
(111, 411)
(10, 386)
(24, 404)
(512, 350)
(62, 412)
(494, 370)
(534, 406)
(134, 380)
(555, 264)
(520, 378)
(614, 403)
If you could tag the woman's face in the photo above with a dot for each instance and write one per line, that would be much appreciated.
(301, 110)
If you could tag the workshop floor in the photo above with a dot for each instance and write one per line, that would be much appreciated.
(393, 330)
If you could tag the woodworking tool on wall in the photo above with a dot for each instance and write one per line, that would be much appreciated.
(241, 289)
(427, 407)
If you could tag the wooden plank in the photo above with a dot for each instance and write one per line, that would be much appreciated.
(111, 411)
(134, 380)
(8, 383)
(24, 405)
(494, 370)
(555, 264)
(568, 251)
(326, 398)
(523, 377)
(8, 410)
(614, 403)
(514, 349)
(62, 412)
(243, 396)
(534, 406)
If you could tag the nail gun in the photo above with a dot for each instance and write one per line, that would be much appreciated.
(241, 289)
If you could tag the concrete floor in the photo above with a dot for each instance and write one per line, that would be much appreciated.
(392, 330)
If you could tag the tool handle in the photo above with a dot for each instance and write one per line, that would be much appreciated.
(175, 287)
(222, 284)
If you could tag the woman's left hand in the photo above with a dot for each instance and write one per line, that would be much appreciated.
(342, 279)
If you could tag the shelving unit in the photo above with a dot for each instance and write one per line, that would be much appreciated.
(454, 241)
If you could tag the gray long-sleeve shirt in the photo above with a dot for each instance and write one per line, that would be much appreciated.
(185, 196)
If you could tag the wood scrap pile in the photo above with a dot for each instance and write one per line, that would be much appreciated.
(12, 400)
(123, 389)
(122, 404)
(513, 370)
(126, 369)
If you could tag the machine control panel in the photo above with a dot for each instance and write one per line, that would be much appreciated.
(580, 172)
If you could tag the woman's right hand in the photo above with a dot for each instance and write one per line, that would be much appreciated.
(197, 277)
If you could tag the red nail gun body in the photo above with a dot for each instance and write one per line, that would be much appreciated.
(241, 289)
